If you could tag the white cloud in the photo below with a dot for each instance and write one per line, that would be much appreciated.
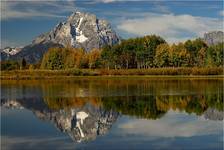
(172, 27)
(221, 13)
(29, 9)
(173, 124)
(108, 1)
(112, 1)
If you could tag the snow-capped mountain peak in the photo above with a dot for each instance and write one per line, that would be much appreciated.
(83, 30)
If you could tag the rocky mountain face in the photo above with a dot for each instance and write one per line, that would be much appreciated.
(213, 38)
(80, 30)
(10, 51)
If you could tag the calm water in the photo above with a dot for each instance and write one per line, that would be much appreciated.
(112, 114)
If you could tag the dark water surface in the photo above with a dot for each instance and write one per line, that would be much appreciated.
(125, 113)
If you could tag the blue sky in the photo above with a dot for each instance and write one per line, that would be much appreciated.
(177, 20)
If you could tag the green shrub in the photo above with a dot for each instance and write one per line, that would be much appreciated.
(9, 65)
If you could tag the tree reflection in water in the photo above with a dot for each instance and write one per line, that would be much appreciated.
(85, 109)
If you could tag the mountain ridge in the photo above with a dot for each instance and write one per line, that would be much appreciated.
(80, 30)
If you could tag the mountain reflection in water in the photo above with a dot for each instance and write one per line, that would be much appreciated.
(84, 110)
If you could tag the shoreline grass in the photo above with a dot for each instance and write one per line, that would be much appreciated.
(80, 73)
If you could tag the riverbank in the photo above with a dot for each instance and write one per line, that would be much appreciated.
(153, 72)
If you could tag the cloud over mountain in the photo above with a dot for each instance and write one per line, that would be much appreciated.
(172, 27)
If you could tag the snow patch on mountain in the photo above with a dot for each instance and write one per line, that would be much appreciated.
(12, 50)
(80, 37)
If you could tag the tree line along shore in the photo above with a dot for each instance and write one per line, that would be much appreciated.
(149, 55)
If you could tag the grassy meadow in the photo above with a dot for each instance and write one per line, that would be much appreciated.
(175, 72)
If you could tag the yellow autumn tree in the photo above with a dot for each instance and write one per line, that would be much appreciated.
(162, 55)
(93, 58)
